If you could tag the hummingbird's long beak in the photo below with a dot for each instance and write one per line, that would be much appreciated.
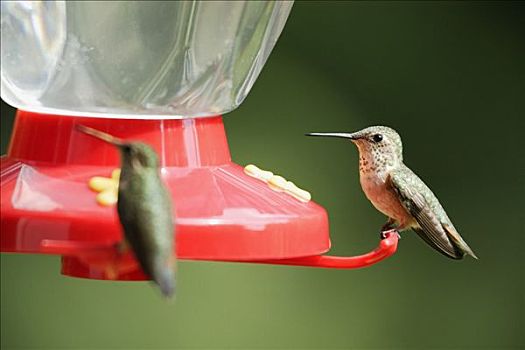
(101, 135)
(334, 134)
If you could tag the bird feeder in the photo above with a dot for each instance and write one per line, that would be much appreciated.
(162, 73)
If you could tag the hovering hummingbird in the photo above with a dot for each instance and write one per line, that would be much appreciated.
(144, 210)
(399, 193)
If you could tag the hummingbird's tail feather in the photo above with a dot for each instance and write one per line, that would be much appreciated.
(453, 246)
(454, 236)
(165, 279)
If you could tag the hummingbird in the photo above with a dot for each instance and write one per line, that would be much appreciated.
(399, 193)
(144, 210)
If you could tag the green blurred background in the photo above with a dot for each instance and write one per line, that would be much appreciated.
(450, 78)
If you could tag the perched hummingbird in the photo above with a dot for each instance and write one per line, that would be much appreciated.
(399, 193)
(144, 209)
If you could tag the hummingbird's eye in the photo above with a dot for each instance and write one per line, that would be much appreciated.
(377, 138)
(126, 148)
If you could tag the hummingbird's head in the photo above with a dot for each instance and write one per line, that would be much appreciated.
(138, 155)
(379, 145)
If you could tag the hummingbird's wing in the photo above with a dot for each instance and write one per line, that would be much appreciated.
(144, 209)
(430, 227)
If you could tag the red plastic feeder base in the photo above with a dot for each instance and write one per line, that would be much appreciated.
(221, 213)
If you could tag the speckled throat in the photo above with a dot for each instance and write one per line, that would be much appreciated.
(377, 157)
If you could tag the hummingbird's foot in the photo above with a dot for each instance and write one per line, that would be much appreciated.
(387, 227)
(386, 233)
